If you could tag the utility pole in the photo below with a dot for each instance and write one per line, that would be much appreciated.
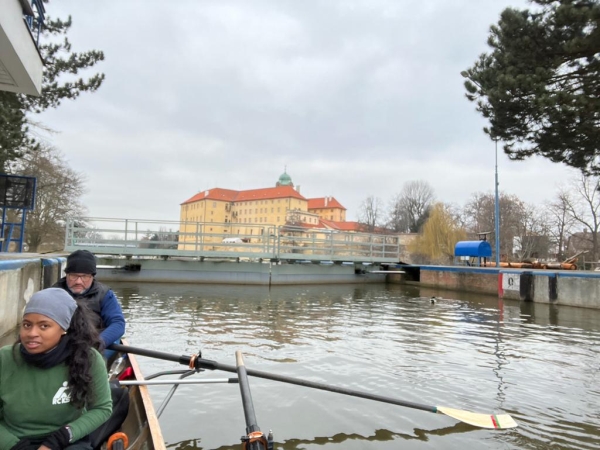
(497, 211)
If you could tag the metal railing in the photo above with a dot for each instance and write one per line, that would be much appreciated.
(141, 238)
(35, 22)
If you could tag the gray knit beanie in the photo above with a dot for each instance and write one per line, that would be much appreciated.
(54, 303)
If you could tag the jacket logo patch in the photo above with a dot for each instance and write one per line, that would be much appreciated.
(62, 396)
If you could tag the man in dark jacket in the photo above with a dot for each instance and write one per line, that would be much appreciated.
(81, 284)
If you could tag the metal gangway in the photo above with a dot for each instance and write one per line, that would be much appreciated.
(202, 240)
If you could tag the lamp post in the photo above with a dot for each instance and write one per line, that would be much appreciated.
(497, 211)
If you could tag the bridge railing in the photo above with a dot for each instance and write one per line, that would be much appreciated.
(133, 237)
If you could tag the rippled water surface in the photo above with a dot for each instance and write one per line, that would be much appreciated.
(538, 363)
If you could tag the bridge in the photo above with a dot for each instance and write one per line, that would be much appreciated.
(253, 242)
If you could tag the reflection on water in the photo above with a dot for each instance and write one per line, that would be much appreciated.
(537, 362)
(342, 438)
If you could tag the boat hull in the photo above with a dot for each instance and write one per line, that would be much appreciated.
(141, 424)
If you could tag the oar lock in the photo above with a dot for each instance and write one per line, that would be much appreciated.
(193, 359)
(258, 438)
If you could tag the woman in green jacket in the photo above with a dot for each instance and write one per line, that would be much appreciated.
(53, 384)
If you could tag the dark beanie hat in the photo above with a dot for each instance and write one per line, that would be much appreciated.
(81, 261)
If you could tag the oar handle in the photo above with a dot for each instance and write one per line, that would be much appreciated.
(247, 403)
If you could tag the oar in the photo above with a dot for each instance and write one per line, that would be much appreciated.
(495, 421)
(254, 439)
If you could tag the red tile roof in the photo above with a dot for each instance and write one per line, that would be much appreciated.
(228, 195)
(324, 202)
(268, 193)
(344, 226)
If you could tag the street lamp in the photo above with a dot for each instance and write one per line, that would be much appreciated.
(497, 211)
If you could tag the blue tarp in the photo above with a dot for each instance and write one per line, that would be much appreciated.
(481, 249)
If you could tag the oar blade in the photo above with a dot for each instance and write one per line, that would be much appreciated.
(493, 421)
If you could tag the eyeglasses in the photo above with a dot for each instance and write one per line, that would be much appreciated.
(84, 276)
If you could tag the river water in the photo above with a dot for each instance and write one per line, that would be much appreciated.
(538, 363)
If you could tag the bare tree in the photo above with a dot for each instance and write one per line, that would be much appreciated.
(58, 197)
(479, 214)
(369, 213)
(410, 208)
(294, 218)
(533, 235)
(583, 206)
(560, 223)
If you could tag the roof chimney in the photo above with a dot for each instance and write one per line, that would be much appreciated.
(325, 201)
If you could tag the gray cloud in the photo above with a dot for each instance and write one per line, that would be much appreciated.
(355, 97)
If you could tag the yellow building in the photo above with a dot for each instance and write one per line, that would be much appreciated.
(327, 208)
(255, 212)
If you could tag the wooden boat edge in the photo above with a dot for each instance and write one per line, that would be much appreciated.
(157, 439)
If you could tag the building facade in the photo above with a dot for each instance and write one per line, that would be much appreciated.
(252, 213)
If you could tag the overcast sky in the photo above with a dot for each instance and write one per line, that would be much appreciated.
(355, 97)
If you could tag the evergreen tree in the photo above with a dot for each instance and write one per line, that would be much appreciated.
(59, 60)
(540, 85)
(13, 128)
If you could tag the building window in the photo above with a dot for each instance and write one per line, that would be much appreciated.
(214, 204)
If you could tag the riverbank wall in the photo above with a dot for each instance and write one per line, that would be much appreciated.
(567, 287)
(234, 272)
(20, 278)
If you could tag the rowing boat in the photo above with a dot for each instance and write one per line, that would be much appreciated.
(141, 425)
(141, 430)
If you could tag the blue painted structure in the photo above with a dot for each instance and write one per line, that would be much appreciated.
(16, 192)
(466, 250)
(481, 249)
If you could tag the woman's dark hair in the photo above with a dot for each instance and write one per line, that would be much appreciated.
(83, 335)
